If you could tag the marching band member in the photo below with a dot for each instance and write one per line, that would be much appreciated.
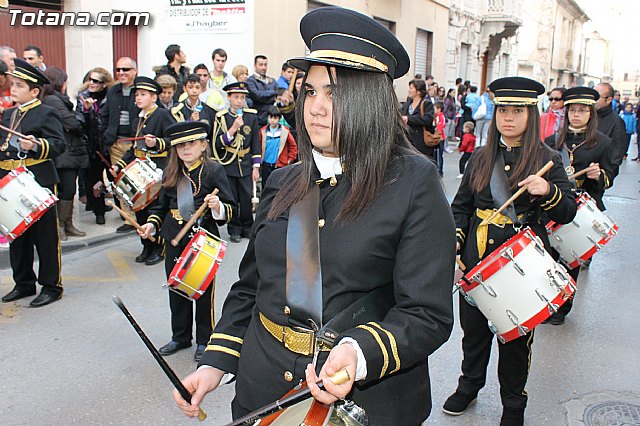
(189, 161)
(237, 148)
(152, 123)
(510, 160)
(39, 123)
(375, 209)
(582, 146)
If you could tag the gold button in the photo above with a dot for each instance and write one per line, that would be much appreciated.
(321, 223)
(180, 222)
(491, 241)
(288, 376)
(287, 311)
(333, 181)
(507, 167)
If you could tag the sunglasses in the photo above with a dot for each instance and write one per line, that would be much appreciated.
(555, 99)
(123, 69)
(93, 80)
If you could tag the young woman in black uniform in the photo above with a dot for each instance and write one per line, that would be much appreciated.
(583, 147)
(514, 145)
(189, 159)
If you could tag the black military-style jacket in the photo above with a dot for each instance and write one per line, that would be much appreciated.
(212, 176)
(405, 239)
(558, 205)
(601, 152)
(240, 154)
(45, 124)
(155, 122)
(182, 112)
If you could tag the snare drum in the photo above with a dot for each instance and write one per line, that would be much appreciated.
(579, 240)
(312, 413)
(22, 202)
(139, 183)
(518, 286)
(197, 265)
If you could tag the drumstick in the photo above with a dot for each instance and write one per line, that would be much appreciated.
(520, 191)
(460, 264)
(20, 135)
(578, 174)
(137, 138)
(292, 82)
(106, 163)
(163, 364)
(190, 222)
(255, 199)
(130, 219)
(293, 398)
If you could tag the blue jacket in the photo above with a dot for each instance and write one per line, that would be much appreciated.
(630, 121)
(473, 102)
(490, 106)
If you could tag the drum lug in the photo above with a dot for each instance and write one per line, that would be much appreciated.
(27, 202)
(501, 339)
(589, 207)
(557, 237)
(508, 253)
(177, 259)
(4, 230)
(3, 197)
(576, 224)
(492, 327)
(469, 299)
(522, 330)
(537, 243)
(552, 307)
(595, 243)
(350, 414)
(601, 228)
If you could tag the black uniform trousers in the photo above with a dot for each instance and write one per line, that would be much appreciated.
(43, 235)
(182, 308)
(242, 188)
(92, 175)
(513, 360)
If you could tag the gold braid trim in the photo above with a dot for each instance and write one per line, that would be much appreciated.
(394, 346)
(383, 349)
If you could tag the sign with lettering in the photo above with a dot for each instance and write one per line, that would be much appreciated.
(207, 16)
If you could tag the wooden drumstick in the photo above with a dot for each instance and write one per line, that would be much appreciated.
(137, 138)
(578, 174)
(106, 163)
(176, 240)
(130, 219)
(255, 199)
(20, 135)
(292, 82)
(520, 191)
(460, 264)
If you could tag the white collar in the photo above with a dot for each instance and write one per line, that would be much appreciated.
(328, 166)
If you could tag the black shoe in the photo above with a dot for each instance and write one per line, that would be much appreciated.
(173, 347)
(123, 229)
(16, 294)
(512, 417)
(108, 207)
(154, 258)
(556, 319)
(100, 219)
(457, 403)
(235, 238)
(246, 234)
(199, 351)
(142, 257)
(44, 299)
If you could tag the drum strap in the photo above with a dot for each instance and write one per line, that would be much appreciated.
(185, 197)
(304, 277)
(500, 190)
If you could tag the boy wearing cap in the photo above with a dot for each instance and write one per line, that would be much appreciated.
(237, 148)
(188, 182)
(192, 108)
(151, 123)
(45, 141)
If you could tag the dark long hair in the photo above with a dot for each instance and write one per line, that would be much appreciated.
(57, 77)
(368, 125)
(592, 127)
(529, 162)
(174, 166)
(420, 86)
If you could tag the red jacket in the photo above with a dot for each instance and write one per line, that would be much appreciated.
(440, 122)
(287, 151)
(468, 143)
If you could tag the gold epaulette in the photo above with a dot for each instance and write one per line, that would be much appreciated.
(222, 112)
(177, 108)
(250, 110)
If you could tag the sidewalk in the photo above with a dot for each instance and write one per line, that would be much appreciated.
(84, 221)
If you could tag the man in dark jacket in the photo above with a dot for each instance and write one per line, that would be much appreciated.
(262, 89)
(118, 113)
(611, 125)
(175, 68)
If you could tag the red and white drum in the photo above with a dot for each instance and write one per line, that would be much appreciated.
(518, 286)
(139, 183)
(22, 202)
(197, 265)
(313, 413)
(579, 240)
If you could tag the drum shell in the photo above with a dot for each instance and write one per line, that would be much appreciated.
(139, 183)
(22, 202)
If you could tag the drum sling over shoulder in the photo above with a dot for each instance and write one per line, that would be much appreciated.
(500, 190)
(185, 197)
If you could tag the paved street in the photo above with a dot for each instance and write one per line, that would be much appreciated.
(78, 361)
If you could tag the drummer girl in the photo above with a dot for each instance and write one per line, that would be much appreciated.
(583, 147)
(189, 163)
(512, 156)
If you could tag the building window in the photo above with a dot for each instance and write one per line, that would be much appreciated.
(390, 25)
(424, 53)
(464, 61)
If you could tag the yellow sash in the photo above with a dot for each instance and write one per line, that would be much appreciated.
(483, 230)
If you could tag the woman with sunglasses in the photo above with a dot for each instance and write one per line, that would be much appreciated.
(552, 120)
(582, 147)
(91, 101)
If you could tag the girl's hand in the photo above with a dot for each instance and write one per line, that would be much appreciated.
(341, 357)
(28, 143)
(150, 140)
(593, 171)
(146, 230)
(213, 202)
(536, 185)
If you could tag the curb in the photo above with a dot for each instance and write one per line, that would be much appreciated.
(72, 245)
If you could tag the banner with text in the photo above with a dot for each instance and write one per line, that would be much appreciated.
(207, 16)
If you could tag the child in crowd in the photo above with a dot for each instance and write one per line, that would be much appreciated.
(467, 145)
(279, 148)
(440, 122)
(630, 123)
